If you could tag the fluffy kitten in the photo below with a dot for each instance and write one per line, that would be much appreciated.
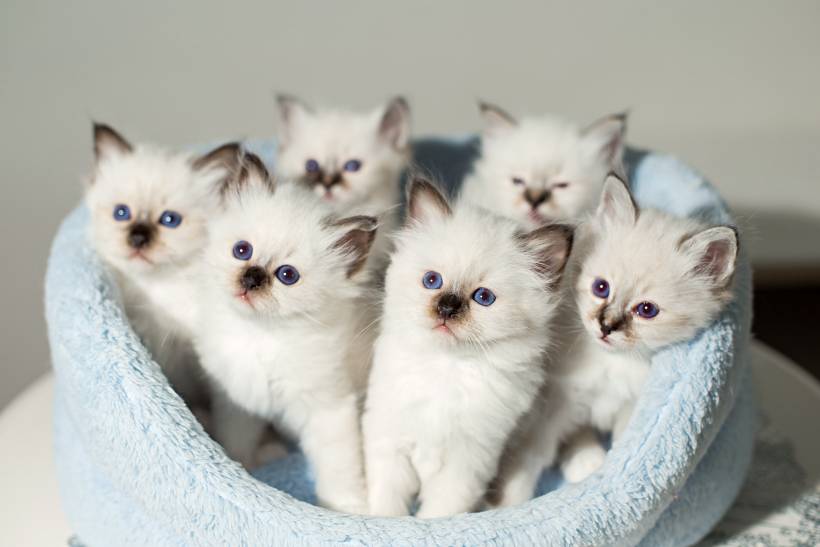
(467, 314)
(646, 280)
(353, 161)
(280, 286)
(149, 210)
(542, 169)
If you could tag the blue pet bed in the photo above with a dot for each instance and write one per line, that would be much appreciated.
(136, 468)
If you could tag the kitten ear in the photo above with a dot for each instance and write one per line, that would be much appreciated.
(108, 143)
(228, 157)
(394, 125)
(606, 138)
(551, 246)
(496, 120)
(359, 233)
(616, 205)
(715, 252)
(292, 111)
(425, 201)
(251, 173)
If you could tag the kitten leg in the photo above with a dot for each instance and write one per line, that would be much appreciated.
(458, 487)
(582, 456)
(236, 430)
(622, 420)
(392, 483)
(331, 440)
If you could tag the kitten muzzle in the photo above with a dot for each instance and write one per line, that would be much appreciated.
(140, 235)
(449, 306)
(536, 197)
(331, 179)
(254, 278)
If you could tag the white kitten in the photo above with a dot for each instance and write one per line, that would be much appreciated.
(149, 210)
(646, 280)
(280, 289)
(542, 169)
(468, 305)
(353, 161)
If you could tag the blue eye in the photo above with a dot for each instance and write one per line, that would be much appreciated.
(122, 212)
(242, 250)
(432, 280)
(352, 165)
(287, 274)
(600, 288)
(311, 166)
(171, 219)
(484, 296)
(647, 310)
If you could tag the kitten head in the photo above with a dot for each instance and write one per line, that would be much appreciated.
(466, 277)
(650, 279)
(539, 170)
(344, 157)
(150, 207)
(278, 252)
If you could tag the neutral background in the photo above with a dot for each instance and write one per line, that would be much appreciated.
(733, 88)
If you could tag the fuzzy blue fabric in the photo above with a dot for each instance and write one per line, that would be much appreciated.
(136, 468)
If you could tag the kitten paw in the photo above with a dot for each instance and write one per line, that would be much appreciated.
(583, 463)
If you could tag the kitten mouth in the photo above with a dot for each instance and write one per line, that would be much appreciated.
(245, 297)
(137, 255)
(443, 328)
(537, 217)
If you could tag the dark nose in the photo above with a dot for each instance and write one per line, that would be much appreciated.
(331, 179)
(606, 330)
(609, 328)
(449, 305)
(254, 278)
(139, 236)
(536, 197)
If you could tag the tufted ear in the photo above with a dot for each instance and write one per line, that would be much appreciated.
(605, 138)
(714, 251)
(108, 143)
(251, 173)
(358, 234)
(394, 124)
(496, 121)
(425, 201)
(551, 246)
(616, 205)
(228, 157)
(292, 112)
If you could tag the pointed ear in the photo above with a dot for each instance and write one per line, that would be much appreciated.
(425, 201)
(715, 253)
(292, 111)
(394, 125)
(496, 120)
(550, 245)
(359, 232)
(616, 205)
(605, 137)
(108, 143)
(251, 173)
(228, 157)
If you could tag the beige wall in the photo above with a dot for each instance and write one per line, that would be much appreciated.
(732, 87)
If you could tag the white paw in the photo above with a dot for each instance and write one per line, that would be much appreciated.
(583, 463)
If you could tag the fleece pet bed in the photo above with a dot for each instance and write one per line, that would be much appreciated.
(136, 468)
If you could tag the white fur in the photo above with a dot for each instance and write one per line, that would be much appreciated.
(544, 153)
(645, 256)
(285, 355)
(160, 295)
(441, 405)
(332, 137)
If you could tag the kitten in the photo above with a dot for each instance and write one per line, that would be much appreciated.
(542, 169)
(280, 285)
(353, 161)
(149, 213)
(467, 312)
(645, 280)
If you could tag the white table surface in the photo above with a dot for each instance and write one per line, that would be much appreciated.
(30, 513)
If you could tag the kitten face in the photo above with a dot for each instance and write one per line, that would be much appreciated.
(278, 253)
(149, 207)
(650, 279)
(538, 170)
(342, 156)
(468, 278)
